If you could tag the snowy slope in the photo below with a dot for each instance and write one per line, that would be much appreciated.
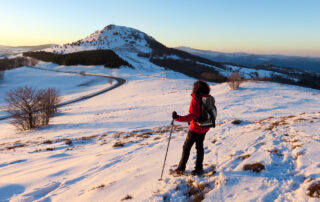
(117, 38)
(111, 147)
(75, 158)
(70, 86)
(131, 45)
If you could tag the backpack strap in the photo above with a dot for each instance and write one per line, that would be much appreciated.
(201, 105)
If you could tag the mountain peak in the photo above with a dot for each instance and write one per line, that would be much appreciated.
(112, 37)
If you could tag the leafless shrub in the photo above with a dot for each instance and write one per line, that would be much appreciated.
(22, 103)
(236, 122)
(276, 152)
(68, 142)
(194, 191)
(47, 142)
(165, 130)
(127, 136)
(296, 146)
(49, 99)
(99, 187)
(118, 144)
(126, 198)
(299, 120)
(145, 135)
(244, 156)
(291, 140)
(31, 108)
(235, 80)
(314, 190)
(15, 146)
(255, 167)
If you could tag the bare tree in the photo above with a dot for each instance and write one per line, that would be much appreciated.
(48, 104)
(22, 102)
(31, 108)
(235, 80)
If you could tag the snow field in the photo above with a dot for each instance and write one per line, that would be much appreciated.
(70, 86)
(76, 158)
(111, 147)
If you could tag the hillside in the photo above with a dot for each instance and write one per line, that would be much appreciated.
(113, 145)
(311, 64)
(131, 44)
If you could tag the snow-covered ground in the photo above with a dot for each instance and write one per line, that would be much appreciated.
(70, 86)
(111, 147)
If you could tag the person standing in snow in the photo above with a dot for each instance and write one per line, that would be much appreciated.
(196, 133)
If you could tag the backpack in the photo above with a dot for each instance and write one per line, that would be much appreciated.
(208, 115)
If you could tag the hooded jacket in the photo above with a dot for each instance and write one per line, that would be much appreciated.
(194, 112)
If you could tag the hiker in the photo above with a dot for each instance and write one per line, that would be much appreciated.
(196, 133)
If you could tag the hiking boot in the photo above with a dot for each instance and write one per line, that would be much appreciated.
(178, 172)
(196, 172)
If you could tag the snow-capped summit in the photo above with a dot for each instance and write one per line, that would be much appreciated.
(110, 37)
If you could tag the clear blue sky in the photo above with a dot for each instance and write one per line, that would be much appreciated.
(290, 27)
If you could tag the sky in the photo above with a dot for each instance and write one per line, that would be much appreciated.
(288, 27)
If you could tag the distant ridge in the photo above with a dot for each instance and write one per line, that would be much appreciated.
(9, 50)
(251, 60)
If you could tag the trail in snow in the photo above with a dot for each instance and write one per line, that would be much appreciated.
(120, 82)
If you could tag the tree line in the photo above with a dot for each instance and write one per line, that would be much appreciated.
(108, 58)
(6, 63)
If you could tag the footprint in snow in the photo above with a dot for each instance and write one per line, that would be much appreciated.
(13, 162)
(9, 190)
(41, 192)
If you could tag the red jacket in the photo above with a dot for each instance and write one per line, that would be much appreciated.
(194, 112)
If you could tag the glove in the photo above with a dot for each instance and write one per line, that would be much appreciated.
(175, 115)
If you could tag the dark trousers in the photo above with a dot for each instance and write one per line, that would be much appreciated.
(192, 138)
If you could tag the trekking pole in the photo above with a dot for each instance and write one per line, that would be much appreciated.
(165, 158)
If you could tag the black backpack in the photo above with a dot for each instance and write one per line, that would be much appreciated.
(208, 115)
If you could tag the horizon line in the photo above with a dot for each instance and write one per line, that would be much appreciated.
(176, 47)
